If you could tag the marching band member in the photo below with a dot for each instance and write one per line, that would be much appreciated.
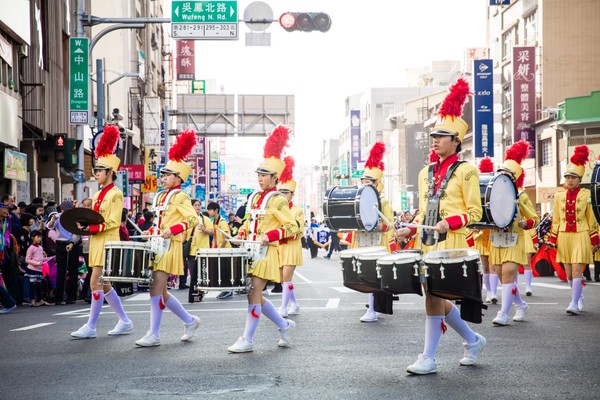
(270, 221)
(509, 251)
(531, 246)
(482, 242)
(109, 203)
(449, 199)
(290, 250)
(574, 226)
(372, 176)
(175, 216)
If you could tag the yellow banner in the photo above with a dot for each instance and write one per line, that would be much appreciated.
(151, 160)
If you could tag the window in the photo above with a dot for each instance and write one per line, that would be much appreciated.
(508, 41)
(576, 132)
(507, 99)
(388, 110)
(546, 152)
(531, 29)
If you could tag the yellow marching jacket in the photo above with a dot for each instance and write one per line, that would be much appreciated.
(274, 220)
(388, 237)
(290, 250)
(459, 206)
(109, 203)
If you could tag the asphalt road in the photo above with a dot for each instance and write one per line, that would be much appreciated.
(332, 356)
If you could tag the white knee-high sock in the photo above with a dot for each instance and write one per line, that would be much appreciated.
(576, 290)
(528, 278)
(518, 300)
(95, 307)
(113, 300)
(176, 308)
(252, 319)
(434, 327)
(292, 293)
(508, 296)
(285, 298)
(456, 322)
(269, 311)
(157, 306)
(486, 284)
(493, 284)
(371, 302)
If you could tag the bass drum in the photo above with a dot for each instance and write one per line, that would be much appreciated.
(351, 207)
(595, 189)
(498, 200)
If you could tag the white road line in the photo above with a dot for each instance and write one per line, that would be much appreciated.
(302, 277)
(332, 303)
(551, 286)
(30, 327)
(140, 297)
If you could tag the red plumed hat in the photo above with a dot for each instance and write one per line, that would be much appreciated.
(374, 166)
(515, 155)
(184, 144)
(273, 149)
(106, 147)
(449, 120)
(486, 165)
(286, 181)
(580, 157)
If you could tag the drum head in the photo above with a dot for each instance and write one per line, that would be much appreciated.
(501, 195)
(400, 258)
(360, 250)
(451, 256)
(369, 204)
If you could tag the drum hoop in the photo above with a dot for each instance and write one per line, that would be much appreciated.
(357, 204)
(351, 253)
(223, 251)
(413, 258)
(115, 244)
(372, 256)
(450, 260)
(487, 198)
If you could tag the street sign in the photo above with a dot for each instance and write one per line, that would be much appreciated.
(245, 191)
(357, 173)
(79, 82)
(204, 20)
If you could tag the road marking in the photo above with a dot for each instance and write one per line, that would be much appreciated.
(140, 297)
(30, 327)
(302, 277)
(551, 286)
(332, 303)
(343, 289)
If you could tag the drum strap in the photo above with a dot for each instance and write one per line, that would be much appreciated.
(254, 212)
(432, 213)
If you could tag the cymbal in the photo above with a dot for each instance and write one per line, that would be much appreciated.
(85, 216)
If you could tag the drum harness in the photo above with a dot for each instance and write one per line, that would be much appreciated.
(159, 211)
(432, 213)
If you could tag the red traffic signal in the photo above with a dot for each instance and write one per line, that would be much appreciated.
(60, 141)
(305, 21)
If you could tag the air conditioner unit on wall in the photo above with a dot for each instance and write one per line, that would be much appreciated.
(24, 50)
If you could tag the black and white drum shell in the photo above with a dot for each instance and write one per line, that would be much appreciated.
(223, 268)
(595, 190)
(454, 274)
(127, 262)
(351, 208)
(400, 273)
(366, 268)
(498, 200)
(348, 260)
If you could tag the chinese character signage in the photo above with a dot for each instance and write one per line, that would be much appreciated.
(79, 89)
(137, 172)
(151, 161)
(524, 96)
(186, 67)
(15, 165)
(354, 139)
(483, 105)
(215, 179)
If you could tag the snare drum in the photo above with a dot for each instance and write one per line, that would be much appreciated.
(400, 273)
(595, 190)
(454, 274)
(351, 207)
(223, 268)
(127, 262)
(366, 268)
(351, 268)
(499, 201)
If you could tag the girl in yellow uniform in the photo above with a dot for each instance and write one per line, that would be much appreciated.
(290, 250)
(574, 227)
(109, 203)
(175, 216)
(269, 222)
(508, 257)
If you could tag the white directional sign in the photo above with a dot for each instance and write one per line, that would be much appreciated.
(204, 20)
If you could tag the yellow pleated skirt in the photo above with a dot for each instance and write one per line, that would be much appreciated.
(529, 247)
(574, 248)
(268, 267)
(171, 261)
(290, 253)
(515, 254)
(97, 244)
(482, 243)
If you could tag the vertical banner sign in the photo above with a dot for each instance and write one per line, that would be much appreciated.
(215, 181)
(199, 150)
(499, 2)
(79, 81)
(524, 96)
(151, 159)
(186, 66)
(354, 139)
(484, 108)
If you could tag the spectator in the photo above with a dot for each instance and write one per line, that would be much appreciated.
(8, 303)
(23, 238)
(34, 260)
(148, 221)
(334, 245)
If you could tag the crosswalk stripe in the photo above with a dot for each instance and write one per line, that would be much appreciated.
(333, 303)
(30, 327)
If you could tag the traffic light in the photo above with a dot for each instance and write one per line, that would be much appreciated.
(305, 21)
(71, 152)
(60, 141)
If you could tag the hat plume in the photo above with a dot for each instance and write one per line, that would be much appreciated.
(455, 100)
(276, 142)
(108, 141)
(376, 156)
(183, 146)
(288, 172)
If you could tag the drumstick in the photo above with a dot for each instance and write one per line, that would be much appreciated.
(224, 233)
(407, 225)
(137, 228)
(383, 217)
(144, 236)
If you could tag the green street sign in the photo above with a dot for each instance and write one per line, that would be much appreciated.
(79, 82)
(204, 19)
(357, 173)
(246, 191)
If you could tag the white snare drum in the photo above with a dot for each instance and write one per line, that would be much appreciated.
(127, 262)
(499, 201)
(224, 268)
(454, 274)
